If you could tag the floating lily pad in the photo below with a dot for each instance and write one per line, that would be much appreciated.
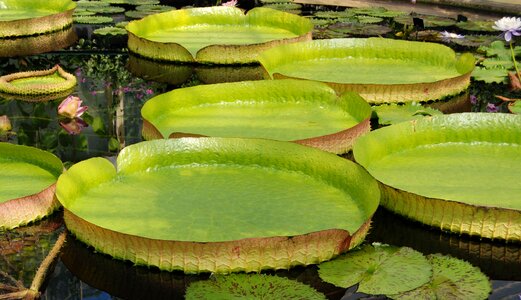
(393, 114)
(378, 269)
(333, 14)
(33, 84)
(354, 28)
(428, 71)
(31, 174)
(496, 75)
(29, 45)
(480, 26)
(132, 2)
(109, 30)
(369, 19)
(106, 9)
(428, 21)
(293, 8)
(214, 34)
(89, 4)
(475, 40)
(138, 14)
(454, 172)
(155, 8)
(25, 17)
(93, 20)
(287, 110)
(250, 286)
(515, 107)
(82, 12)
(452, 278)
(288, 205)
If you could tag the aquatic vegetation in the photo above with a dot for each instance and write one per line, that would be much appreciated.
(250, 286)
(93, 19)
(389, 114)
(284, 110)
(418, 162)
(428, 71)
(221, 34)
(38, 85)
(111, 30)
(31, 174)
(71, 107)
(279, 213)
(378, 269)
(5, 124)
(20, 18)
(510, 26)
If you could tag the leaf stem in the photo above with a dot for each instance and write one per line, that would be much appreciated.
(515, 62)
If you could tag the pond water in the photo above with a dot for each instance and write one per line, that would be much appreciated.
(115, 85)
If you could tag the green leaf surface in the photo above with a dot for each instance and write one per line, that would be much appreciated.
(27, 170)
(452, 278)
(197, 28)
(378, 269)
(393, 113)
(225, 189)
(363, 61)
(496, 75)
(285, 110)
(12, 10)
(515, 107)
(250, 286)
(469, 158)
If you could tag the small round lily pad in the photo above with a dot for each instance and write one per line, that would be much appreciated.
(452, 278)
(110, 30)
(389, 114)
(92, 20)
(378, 269)
(250, 286)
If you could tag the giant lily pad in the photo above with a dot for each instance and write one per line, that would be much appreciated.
(29, 45)
(455, 172)
(29, 176)
(27, 17)
(308, 113)
(427, 71)
(38, 85)
(214, 34)
(250, 286)
(219, 205)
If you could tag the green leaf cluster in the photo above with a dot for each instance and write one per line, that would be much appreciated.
(498, 61)
(404, 273)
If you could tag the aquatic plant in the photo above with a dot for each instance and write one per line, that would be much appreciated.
(5, 124)
(511, 26)
(250, 286)
(71, 107)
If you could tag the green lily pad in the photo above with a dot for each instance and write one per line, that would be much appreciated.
(219, 34)
(475, 40)
(496, 75)
(515, 107)
(367, 10)
(132, 2)
(25, 18)
(310, 114)
(288, 205)
(480, 26)
(393, 114)
(155, 8)
(428, 21)
(378, 269)
(452, 278)
(89, 4)
(354, 28)
(333, 14)
(454, 172)
(110, 30)
(250, 286)
(138, 14)
(92, 20)
(428, 71)
(32, 85)
(84, 12)
(106, 9)
(31, 174)
(500, 50)
(369, 19)
(284, 6)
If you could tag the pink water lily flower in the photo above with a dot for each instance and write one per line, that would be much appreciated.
(71, 107)
(5, 124)
(230, 3)
(73, 126)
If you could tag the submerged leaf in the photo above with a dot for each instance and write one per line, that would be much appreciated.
(392, 114)
(452, 278)
(378, 269)
(250, 286)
